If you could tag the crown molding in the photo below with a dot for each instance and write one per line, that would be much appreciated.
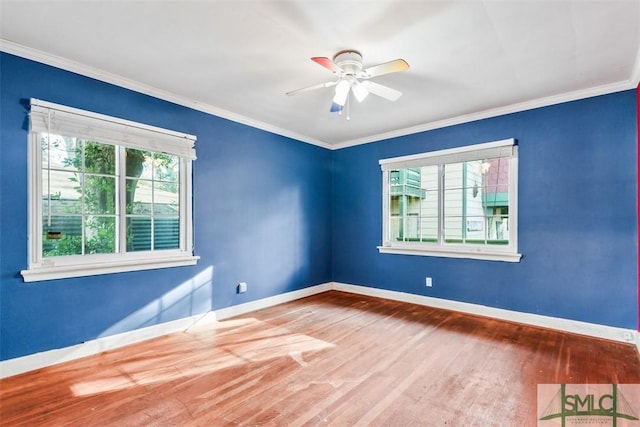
(87, 71)
(79, 68)
(635, 73)
(495, 112)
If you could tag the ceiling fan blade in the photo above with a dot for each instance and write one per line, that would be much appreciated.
(342, 92)
(359, 91)
(385, 68)
(328, 64)
(314, 87)
(382, 91)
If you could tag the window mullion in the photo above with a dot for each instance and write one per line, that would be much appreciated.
(83, 192)
(121, 200)
(440, 204)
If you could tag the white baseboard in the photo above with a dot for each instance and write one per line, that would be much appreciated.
(237, 310)
(566, 325)
(52, 357)
(34, 361)
(43, 359)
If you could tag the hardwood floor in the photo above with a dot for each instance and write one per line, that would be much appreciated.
(332, 359)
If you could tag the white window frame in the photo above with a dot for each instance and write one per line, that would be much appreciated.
(502, 148)
(47, 117)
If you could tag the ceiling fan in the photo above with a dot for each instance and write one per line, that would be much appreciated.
(352, 77)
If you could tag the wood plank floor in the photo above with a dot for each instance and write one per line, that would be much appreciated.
(332, 359)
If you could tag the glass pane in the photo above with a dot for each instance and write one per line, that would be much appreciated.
(498, 229)
(395, 230)
(138, 234)
(139, 164)
(99, 158)
(64, 190)
(167, 167)
(100, 194)
(413, 204)
(429, 229)
(62, 235)
(166, 200)
(453, 174)
(100, 235)
(60, 152)
(429, 204)
(166, 233)
(139, 196)
(496, 200)
(475, 229)
(453, 218)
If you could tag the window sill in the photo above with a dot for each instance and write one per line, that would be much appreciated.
(465, 253)
(51, 270)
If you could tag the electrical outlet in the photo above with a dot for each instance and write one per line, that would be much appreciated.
(428, 282)
(242, 287)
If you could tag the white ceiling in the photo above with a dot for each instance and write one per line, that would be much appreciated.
(237, 59)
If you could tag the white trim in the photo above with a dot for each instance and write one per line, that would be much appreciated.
(85, 70)
(76, 67)
(34, 361)
(635, 73)
(494, 112)
(401, 161)
(31, 362)
(556, 323)
(240, 309)
(109, 265)
(109, 119)
(47, 117)
(439, 251)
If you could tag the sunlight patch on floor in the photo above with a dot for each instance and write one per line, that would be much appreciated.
(233, 343)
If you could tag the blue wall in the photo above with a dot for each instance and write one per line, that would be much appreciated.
(262, 214)
(577, 215)
(283, 215)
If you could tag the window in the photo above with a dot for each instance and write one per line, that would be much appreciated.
(105, 195)
(459, 203)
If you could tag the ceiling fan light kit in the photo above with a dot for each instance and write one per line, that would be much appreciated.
(353, 78)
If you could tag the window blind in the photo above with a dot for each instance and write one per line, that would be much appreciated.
(67, 121)
(489, 150)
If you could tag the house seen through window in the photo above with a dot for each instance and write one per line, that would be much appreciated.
(458, 202)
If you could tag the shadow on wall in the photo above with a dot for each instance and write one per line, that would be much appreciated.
(193, 296)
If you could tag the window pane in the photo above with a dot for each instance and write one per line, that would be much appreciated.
(413, 204)
(100, 194)
(60, 152)
(496, 200)
(139, 164)
(62, 235)
(100, 235)
(64, 191)
(166, 233)
(99, 158)
(138, 196)
(475, 197)
(165, 199)
(167, 167)
(138, 234)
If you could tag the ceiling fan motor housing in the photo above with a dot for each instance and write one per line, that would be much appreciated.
(350, 61)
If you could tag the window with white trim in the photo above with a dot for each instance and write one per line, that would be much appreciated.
(106, 195)
(459, 203)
